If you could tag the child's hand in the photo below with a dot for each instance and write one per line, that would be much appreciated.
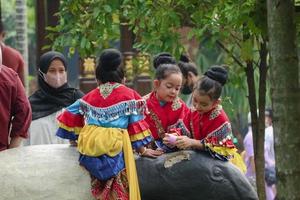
(184, 142)
(170, 140)
(151, 153)
(73, 143)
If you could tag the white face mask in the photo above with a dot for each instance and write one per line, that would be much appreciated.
(54, 80)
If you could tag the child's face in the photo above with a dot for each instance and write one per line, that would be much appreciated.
(203, 103)
(168, 89)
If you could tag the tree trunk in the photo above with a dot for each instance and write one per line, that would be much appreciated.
(21, 29)
(286, 96)
(0, 11)
(257, 123)
(260, 138)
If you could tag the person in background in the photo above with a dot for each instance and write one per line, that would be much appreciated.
(15, 112)
(165, 109)
(248, 153)
(11, 57)
(209, 125)
(108, 122)
(269, 155)
(190, 77)
(47, 102)
(270, 172)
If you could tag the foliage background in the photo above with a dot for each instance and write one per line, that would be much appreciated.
(156, 24)
(8, 17)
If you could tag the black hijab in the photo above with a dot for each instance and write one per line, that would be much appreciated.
(48, 100)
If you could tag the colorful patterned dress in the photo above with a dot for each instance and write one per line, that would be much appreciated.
(213, 129)
(107, 122)
(165, 117)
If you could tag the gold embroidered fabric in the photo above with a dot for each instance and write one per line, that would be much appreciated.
(107, 88)
(215, 113)
(176, 104)
(158, 124)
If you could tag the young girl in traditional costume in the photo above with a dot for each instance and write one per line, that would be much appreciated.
(209, 124)
(106, 122)
(165, 109)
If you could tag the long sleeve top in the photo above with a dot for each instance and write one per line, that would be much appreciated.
(14, 60)
(15, 111)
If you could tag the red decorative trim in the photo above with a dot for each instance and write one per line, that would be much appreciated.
(137, 127)
(71, 120)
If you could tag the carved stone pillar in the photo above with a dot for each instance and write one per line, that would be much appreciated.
(87, 81)
(136, 65)
(142, 82)
(128, 68)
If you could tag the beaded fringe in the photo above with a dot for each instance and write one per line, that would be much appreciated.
(125, 108)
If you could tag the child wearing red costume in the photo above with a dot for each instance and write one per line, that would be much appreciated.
(209, 124)
(107, 123)
(165, 109)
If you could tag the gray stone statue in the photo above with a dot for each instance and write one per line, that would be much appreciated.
(51, 172)
(189, 175)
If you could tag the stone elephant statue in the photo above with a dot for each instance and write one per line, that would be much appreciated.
(51, 172)
(190, 175)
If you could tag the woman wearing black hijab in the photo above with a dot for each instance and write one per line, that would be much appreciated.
(53, 95)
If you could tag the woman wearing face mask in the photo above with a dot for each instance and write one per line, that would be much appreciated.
(54, 94)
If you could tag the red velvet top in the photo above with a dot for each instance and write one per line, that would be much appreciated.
(14, 60)
(162, 118)
(15, 109)
(213, 126)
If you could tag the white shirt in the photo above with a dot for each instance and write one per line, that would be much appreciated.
(43, 131)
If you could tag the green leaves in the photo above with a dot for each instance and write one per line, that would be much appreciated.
(156, 23)
(86, 25)
(247, 50)
(107, 8)
(240, 26)
(96, 12)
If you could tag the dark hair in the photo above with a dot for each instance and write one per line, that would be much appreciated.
(212, 82)
(109, 68)
(186, 66)
(269, 113)
(164, 70)
(163, 58)
(184, 58)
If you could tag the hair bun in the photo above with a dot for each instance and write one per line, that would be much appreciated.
(217, 73)
(269, 113)
(110, 59)
(184, 58)
(163, 58)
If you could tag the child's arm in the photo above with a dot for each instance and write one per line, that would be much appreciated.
(140, 136)
(70, 122)
(144, 151)
(184, 142)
